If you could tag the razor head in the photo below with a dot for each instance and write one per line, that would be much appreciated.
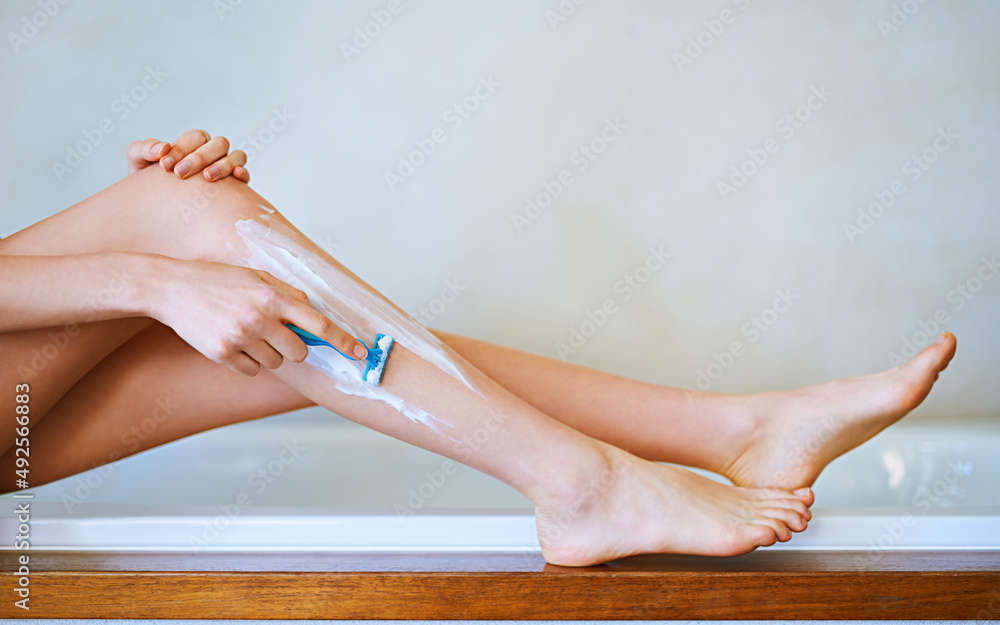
(374, 362)
(377, 357)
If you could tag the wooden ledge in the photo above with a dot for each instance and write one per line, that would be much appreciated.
(761, 585)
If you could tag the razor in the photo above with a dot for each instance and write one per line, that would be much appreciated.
(378, 353)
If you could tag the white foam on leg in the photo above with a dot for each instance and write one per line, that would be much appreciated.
(355, 309)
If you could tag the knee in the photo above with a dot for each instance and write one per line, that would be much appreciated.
(196, 205)
(195, 202)
(190, 218)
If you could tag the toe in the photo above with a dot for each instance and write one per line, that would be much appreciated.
(766, 496)
(762, 534)
(806, 496)
(950, 345)
(790, 518)
(763, 494)
(797, 505)
(935, 357)
(781, 531)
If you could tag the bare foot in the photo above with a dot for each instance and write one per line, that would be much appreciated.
(638, 506)
(796, 434)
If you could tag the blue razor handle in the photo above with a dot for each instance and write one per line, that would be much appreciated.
(374, 362)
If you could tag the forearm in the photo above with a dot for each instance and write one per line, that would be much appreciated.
(45, 291)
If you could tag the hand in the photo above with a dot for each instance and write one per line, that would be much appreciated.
(194, 151)
(235, 316)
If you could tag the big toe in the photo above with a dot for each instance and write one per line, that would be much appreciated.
(935, 357)
(753, 535)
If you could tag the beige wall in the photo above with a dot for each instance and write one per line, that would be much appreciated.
(676, 117)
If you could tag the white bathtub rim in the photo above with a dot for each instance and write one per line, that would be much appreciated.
(358, 531)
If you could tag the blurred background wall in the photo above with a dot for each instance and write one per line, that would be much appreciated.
(734, 196)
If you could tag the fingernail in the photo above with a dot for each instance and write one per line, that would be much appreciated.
(183, 168)
(158, 147)
(940, 339)
(360, 351)
(213, 171)
(167, 163)
(802, 491)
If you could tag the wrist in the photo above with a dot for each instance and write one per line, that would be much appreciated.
(143, 276)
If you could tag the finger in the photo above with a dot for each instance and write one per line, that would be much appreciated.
(225, 165)
(284, 287)
(185, 144)
(287, 343)
(241, 363)
(202, 157)
(241, 173)
(142, 154)
(312, 321)
(266, 355)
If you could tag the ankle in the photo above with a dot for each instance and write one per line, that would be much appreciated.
(743, 420)
(586, 479)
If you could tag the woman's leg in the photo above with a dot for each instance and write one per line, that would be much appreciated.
(593, 501)
(750, 439)
(96, 386)
(152, 390)
(712, 431)
(779, 439)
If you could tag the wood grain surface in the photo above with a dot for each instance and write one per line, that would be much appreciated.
(761, 585)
